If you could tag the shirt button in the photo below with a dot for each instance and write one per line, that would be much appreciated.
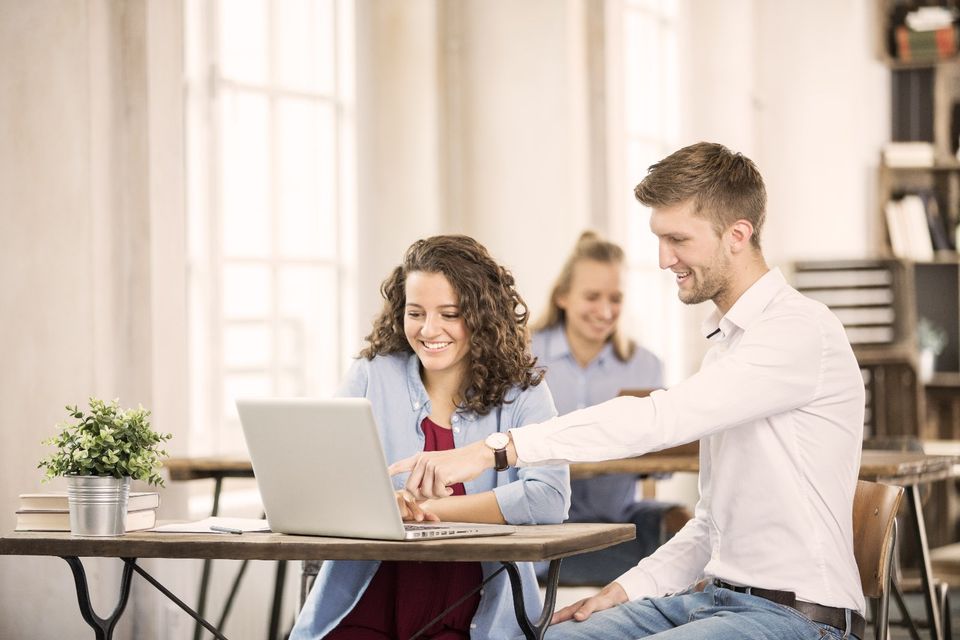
(473, 625)
(416, 405)
(456, 429)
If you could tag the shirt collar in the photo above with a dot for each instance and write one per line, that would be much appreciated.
(557, 346)
(556, 342)
(419, 399)
(747, 308)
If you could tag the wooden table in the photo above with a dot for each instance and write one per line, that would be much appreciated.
(530, 543)
(907, 469)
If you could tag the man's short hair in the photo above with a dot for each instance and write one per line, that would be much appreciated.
(725, 186)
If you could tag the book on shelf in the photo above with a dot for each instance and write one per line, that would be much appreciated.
(908, 154)
(942, 239)
(137, 501)
(908, 228)
(59, 520)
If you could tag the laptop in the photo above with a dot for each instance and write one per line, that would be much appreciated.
(321, 471)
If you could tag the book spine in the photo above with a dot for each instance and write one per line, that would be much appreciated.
(946, 41)
(903, 43)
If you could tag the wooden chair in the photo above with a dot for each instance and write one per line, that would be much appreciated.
(875, 509)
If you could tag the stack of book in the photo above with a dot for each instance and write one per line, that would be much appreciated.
(916, 228)
(51, 511)
(939, 44)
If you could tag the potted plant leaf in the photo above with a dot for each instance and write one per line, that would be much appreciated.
(931, 339)
(98, 452)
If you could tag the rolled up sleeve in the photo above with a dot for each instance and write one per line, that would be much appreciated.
(535, 495)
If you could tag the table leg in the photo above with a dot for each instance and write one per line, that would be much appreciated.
(102, 627)
(926, 573)
(277, 600)
(234, 588)
(131, 562)
(205, 574)
(534, 630)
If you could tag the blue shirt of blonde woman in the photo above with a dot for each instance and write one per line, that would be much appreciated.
(608, 498)
(538, 495)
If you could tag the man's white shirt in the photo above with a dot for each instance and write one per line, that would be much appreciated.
(778, 408)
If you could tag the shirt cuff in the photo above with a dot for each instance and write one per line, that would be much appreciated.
(512, 501)
(532, 445)
(638, 583)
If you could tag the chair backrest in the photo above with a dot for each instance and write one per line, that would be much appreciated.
(875, 507)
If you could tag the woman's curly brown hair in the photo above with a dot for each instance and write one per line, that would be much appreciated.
(493, 311)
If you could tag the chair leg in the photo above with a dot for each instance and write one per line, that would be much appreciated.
(944, 594)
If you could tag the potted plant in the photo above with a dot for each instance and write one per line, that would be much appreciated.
(932, 340)
(98, 453)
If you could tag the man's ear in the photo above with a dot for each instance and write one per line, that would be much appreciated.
(739, 235)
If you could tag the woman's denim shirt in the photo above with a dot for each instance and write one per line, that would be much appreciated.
(537, 495)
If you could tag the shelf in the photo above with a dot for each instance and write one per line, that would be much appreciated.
(939, 166)
(896, 64)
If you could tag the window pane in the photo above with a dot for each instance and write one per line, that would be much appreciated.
(245, 165)
(642, 68)
(246, 291)
(309, 338)
(670, 130)
(243, 40)
(305, 52)
(307, 179)
(244, 385)
(247, 345)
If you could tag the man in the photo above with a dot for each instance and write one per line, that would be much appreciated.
(778, 408)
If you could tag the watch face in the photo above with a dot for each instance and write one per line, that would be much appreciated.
(497, 440)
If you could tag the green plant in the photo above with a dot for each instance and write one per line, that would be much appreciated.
(931, 337)
(107, 441)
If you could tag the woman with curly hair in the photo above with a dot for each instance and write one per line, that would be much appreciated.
(446, 364)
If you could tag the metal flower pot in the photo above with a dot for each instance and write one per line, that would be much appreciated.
(98, 505)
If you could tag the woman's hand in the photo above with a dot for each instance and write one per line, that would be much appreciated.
(610, 596)
(411, 511)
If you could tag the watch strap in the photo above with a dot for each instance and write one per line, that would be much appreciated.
(500, 460)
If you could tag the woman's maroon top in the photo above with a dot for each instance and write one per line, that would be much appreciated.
(404, 596)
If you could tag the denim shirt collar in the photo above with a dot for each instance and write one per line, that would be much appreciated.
(559, 347)
(419, 399)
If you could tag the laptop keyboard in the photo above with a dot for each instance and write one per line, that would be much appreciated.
(434, 529)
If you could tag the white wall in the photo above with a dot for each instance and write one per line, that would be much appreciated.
(398, 153)
(822, 115)
(91, 271)
(517, 79)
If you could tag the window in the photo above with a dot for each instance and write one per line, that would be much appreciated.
(270, 202)
(644, 127)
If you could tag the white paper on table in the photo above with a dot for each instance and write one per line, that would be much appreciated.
(246, 525)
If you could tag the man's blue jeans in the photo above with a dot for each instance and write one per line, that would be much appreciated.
(712, 614)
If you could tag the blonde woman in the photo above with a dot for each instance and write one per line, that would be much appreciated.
(588, 361)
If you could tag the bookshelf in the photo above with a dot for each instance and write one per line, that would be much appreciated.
(924, 117)
(919, 193)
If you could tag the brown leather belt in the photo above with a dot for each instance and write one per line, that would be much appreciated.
(834, 616)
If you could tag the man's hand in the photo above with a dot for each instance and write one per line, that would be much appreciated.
(411, 511)
(431, 473)
(610, 596)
